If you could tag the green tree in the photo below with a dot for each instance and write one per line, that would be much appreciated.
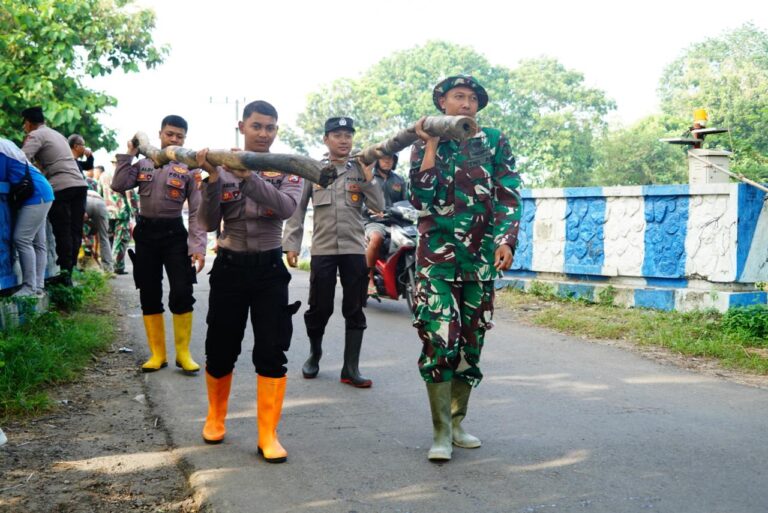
(635, 156)
(48, 48)
(545, 109)
(728, 76)
(555, 121)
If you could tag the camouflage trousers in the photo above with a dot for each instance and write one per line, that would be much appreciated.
(451, 318)
(89, 240)
(120, 244)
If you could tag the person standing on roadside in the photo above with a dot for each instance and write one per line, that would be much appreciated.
(52, 152)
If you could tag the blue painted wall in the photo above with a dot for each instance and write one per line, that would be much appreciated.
(584, 235)
(666, 218)
(656, 299)
(524, 250)
(750, 205)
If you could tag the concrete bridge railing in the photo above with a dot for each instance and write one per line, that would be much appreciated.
(680, 247)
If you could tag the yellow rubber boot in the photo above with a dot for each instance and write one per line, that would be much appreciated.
(154, 325)
(269, 401)
(218, 397)
(182, 334)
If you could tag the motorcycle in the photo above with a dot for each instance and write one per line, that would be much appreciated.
(395, 271)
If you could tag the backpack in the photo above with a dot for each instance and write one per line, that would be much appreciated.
(22, 191)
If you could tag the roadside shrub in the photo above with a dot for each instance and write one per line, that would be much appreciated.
(751, 321)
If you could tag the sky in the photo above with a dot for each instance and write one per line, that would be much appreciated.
(282, 50)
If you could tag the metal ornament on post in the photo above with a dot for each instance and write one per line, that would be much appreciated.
(704, 165)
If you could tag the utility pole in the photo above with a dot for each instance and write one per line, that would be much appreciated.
(237, 114)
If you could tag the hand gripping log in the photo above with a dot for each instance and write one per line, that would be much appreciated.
(445, 127)
(298, 165)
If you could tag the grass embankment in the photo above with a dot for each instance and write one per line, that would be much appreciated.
(53, 347)
(738, 338)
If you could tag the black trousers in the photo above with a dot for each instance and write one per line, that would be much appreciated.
(163, 243)
(66, 216)
(322, 288)
(243, 283)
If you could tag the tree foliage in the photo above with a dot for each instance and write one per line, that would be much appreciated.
(635, 156)
(48, 48)
(728, 76)
(546, 111)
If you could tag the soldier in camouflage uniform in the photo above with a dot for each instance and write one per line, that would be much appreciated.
(126, 204)
(470, 212)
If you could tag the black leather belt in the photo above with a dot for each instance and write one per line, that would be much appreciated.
(160, 222)
(250, 259)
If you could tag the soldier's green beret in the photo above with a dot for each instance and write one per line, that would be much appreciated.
(449, 83)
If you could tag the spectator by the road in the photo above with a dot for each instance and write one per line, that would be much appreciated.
(98, 221)
(51, 151)
(29, 228)
(79, 150)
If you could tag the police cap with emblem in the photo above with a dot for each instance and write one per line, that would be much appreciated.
(339, 124)
(33, 115)
(449, 83)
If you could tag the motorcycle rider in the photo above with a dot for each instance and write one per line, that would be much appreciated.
(394, 188)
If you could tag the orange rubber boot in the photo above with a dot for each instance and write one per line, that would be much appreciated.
(269, 402)
(218, 396)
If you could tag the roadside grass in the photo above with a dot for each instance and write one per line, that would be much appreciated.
(738, 338)
(53, 347)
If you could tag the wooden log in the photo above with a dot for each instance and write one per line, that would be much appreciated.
(445, 127)
(298, 165)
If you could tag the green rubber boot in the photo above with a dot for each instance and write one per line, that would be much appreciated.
(460, 391)
(440, 404)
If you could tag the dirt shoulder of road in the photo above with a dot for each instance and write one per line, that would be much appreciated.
(100, 449)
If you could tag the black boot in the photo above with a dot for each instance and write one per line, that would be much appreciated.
(311, 366)
(350, 374)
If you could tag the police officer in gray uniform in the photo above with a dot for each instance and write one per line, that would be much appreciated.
(51, 150)
(249, 276)
(163, 241)
(338, 243)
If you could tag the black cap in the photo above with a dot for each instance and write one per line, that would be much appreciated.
(33, 115)
(339, 124)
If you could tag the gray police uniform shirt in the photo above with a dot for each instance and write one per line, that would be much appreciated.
(253, 210)
(162, 192)
(51, 150)
(338, 219)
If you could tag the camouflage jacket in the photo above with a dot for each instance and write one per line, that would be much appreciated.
(469, 206)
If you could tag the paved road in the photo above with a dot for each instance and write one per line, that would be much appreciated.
(567, 426)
